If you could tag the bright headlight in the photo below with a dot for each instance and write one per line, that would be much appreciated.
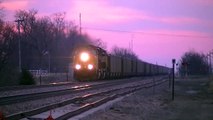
(84, 56)
(77, 66)
(90, 66)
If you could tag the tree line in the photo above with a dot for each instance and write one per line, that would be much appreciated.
(46, 43)
(193, 63)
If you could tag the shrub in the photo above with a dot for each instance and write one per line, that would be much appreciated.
(26, 78)
(9, 77)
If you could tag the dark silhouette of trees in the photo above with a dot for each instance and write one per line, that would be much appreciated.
(123, 52)
(47, 43)
(100, 43)
(1, 10)
(8, 42)
(193, 63)
(36, 38)
(7, 37)
(48, 40)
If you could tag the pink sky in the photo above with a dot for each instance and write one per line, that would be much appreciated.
(160, 29)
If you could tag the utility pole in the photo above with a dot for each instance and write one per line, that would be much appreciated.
(80, 23)
(131, 43)
(19, 42)
(173, 78)
(210, 60)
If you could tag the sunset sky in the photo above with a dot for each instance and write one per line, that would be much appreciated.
(160, 29)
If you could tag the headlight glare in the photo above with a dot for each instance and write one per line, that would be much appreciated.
(90, 66)
(77, 66)
(84, 56)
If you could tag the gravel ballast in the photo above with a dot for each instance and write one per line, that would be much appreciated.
(193, 101)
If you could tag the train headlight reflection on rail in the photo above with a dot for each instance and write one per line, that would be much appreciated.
(77, 66)
(90, 66)
(84, 56)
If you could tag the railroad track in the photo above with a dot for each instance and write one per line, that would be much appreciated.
(84, 102)
(34, 96)
(21, 90)
(67, 90)
(11, 88)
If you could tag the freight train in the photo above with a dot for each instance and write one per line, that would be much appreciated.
(94, 63)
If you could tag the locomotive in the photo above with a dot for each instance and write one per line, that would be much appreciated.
(94, 63)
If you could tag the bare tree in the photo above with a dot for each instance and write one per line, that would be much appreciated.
(123, 52)
(36, 38)
(52, 35)
(1, 11)
(59, 21)
(193, 63)
(100, 43)
(7, 49)
(7, 36)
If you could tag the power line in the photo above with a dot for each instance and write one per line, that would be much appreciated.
(146, 33)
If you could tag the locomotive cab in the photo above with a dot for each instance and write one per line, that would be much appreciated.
(89, 63)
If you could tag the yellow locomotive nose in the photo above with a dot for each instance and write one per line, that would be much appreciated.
(84, 57)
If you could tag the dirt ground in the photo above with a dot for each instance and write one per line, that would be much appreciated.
(193, 101)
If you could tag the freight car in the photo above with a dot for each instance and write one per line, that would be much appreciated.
(93, 63)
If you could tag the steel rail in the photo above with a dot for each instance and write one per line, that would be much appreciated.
(73, 100)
